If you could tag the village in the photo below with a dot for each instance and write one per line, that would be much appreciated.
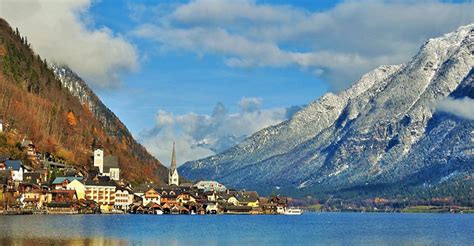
(58, 188)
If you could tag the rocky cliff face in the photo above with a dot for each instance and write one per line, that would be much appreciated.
(111, 124)
(79, 89)
(382, 131)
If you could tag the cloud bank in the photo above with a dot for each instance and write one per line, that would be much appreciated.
(463, 108)
(60, 32)
(339, 44)
(200, 135)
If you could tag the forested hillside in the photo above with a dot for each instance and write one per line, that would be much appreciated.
(35, 105)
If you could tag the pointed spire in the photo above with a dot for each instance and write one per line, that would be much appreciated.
(173, 158)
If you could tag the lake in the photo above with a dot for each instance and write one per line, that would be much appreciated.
(308, 229)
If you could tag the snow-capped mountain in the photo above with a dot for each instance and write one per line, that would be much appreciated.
(382, 132)
(218, 145)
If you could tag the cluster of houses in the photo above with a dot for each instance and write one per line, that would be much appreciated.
(56, 188)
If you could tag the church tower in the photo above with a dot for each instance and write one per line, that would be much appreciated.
(173, 176)
(98, 155)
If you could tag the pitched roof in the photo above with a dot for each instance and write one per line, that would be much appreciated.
(123, 188)
(142, 188)
(169, 196)
(59, 180)
(14, 164)
(227, 196)
(101, 183)
(152, 205)
(232, 207)
(110, 162)
(248, 196)
(27, 167)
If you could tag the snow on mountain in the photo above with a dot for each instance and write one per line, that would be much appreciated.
(379, 132)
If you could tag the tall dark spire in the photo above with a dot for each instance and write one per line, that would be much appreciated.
(173, 158)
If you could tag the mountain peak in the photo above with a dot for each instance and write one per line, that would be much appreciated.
(377, 132)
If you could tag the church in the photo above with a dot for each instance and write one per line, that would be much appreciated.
(108, 165)
(173, 176)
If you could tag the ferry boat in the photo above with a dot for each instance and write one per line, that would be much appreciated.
(293, 211)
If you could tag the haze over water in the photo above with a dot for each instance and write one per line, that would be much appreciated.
(308, 229)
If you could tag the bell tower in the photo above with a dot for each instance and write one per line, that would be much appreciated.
(98, 155)
(173, 176)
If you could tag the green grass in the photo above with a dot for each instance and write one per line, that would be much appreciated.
(436, 209)
(315, 207)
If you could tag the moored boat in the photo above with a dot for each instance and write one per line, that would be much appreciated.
(293, 211)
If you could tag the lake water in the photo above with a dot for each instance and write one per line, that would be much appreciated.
(308, 229)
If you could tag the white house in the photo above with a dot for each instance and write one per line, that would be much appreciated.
(123, 198)
(212, 208)
(210, 186)
(17, 169)
(151, 195)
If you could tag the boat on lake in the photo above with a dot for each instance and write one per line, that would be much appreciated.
(293, 211)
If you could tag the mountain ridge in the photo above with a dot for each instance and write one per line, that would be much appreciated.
(113, 126)
(355, 137)
(35, 104)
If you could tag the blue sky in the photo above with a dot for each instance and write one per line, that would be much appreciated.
(183, 82)
(208, 73)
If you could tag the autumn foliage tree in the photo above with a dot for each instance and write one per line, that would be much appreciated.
(34, 103)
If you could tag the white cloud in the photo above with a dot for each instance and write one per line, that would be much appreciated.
(60, 32)
(339, 44)
(463, 107)
(198, 136)
(250, 104)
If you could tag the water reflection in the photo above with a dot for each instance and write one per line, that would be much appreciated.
(97, 241)
(308, 229)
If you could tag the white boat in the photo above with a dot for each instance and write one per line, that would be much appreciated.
(293, 211)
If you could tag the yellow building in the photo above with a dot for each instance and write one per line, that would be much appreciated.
(186, 198)
(102, 192)
(254, 204)
(78, 187)
(248, 198)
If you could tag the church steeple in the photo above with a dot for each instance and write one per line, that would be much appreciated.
(173, 158)
(173, 176)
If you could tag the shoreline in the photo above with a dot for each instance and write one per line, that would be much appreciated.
(405, 211)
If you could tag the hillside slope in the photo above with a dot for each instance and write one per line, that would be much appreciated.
(381, 136)
(37, 105)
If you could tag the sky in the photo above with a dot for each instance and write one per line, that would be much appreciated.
(208, 73)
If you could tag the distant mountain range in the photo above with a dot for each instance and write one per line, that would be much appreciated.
(382, 136)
